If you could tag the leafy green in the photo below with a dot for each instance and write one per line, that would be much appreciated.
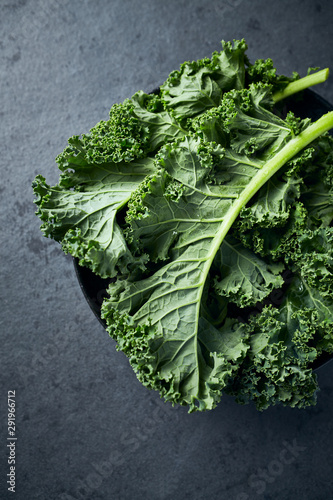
(243, 277)
(187, 232)
(214, 215)
(199, 85)
(263, 71)
(283, 344)
(81, 212)
(131, 132)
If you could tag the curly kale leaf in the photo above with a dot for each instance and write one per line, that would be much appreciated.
(312, 256)
(157, 318)
(151, 196)
(263, 70)
(284, 342)
(295, 201)
(317, 194)
(242, 277)
(81, 213)
(183, 232)
(157, 323)
(199, 85)
(197, 168)
(244, 120)
(132, 131)
(121, 138)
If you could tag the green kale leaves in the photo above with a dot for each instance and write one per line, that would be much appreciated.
(200, 200)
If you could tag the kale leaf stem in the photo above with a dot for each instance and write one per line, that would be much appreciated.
(294, 146)
(301, 84)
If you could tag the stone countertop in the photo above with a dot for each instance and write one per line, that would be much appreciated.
(86, 428)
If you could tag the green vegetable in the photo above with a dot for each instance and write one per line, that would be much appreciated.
(201, 200)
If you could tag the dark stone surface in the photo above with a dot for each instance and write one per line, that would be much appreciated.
(86, 428)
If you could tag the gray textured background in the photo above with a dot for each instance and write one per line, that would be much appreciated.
(87, 429)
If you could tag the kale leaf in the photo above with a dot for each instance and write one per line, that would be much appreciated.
(200, 200)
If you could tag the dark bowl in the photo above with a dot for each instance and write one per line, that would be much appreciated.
(308, 104)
